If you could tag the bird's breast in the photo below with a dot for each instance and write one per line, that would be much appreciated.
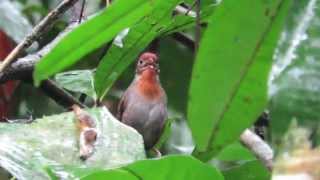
(142, 111)
(149, 87)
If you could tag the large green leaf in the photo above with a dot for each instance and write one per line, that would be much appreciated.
(119, 58)
(27, 150)
(229, 82)
(235, 152)
(250, 170)
(91, 35)
(169, 167)
(117, 174)
(237, 162)
(182, 22)
(203, 4)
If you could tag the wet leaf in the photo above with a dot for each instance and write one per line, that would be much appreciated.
(78, 81)
(26, 150)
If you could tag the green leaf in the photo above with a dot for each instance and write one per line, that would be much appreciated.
(49, 146)
(251, 170)
(119, 58)
(156, 24)
(84, 173)
(203, 4)
(235, 152)
(229, 81)
(237, 162)
(169, 167)
(182, 22)
(165, 134)
(174, 167)
(91, 35)
(55, 171)
(77, 81)
(117, 174)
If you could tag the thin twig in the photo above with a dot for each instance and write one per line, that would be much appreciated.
(108, 2)
(82, 10)
(36, 32)
(258, 147)
(191, 7)
(83, 96)
(185, 11)
(198, 27)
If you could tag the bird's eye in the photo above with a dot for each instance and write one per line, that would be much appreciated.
(140, 62)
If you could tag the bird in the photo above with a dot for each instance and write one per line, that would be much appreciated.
(143, 105)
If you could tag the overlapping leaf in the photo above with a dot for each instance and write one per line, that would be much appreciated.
(77, 81)
(91, 35)
(170, 167)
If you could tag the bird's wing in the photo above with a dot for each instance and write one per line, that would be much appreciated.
(122, 106)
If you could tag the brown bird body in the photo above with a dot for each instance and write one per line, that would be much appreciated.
(143, 106)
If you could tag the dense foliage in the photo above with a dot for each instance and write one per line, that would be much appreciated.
(214, 92)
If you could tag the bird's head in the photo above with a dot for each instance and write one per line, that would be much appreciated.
(148, 62)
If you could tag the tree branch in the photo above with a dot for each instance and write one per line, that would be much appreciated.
(108, 2)
(182, 10)
(77, 10)
(24, 66)
(22, 70)
(37, 32)
(58, 94)
(260, 148)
